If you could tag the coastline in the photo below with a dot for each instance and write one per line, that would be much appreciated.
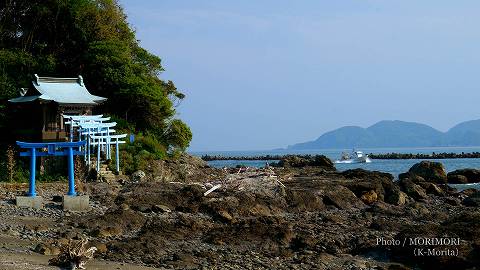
(305, 214)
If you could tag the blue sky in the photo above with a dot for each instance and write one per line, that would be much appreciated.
(266, 74)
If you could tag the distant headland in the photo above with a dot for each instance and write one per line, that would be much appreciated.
(395, 134)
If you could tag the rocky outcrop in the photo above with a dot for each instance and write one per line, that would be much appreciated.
(397, 197)
(430, 171)
(433, 189)
(342, 198)
(269, 218)
(462, 227)
(304, 161)
(369, 197)
(366, 175)
(457, 179)
(472, 200)
(464, 176)
(365, 181)
(411, 189)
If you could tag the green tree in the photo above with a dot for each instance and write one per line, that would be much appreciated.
(91, 38)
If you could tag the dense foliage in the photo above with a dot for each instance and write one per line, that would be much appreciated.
(64, 38)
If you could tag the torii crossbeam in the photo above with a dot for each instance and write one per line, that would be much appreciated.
(66, 149)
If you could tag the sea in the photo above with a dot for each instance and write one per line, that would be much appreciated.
(393, 166)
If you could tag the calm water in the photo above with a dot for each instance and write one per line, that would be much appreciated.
(393, 166)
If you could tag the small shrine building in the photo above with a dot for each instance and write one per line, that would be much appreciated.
(39, 109)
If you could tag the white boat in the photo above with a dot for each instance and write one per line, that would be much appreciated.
(354, 157)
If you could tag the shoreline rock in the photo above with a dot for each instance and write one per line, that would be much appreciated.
(280, 217)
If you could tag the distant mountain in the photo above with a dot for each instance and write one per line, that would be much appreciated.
(396, 134)
(463, 134)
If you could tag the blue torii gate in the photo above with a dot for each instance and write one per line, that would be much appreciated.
(67, 150)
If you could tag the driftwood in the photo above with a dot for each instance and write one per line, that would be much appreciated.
(73, 255)
(248, 179)
(212, 189)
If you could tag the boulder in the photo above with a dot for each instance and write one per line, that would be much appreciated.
(430, 171)
(397, 198)
(469, 191)
(457, 179)
(304, 200)
(342, 198)
(472, 200)
(138, 176)
(431, 188)
(46, 249)
(304, 161)
(413, 190)
(381, 183)
(366, 175)
(417, 179)
(452, 201)
(464, 176)
(361, 187)
(369, 197)
(101, 247)
(225, 216)
(108, 231)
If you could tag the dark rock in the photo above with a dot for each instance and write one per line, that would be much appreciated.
(452, 201)
(108, 231)
(431, 188)
(365, 181)
(46, 249)
(472, 200)
(366, 175)
(225, 216)
(457, 179)
(144, 208)
(469, 191)
(413, 190)
(397, 198)
(361, 187)
(464, 226)
(369, 197)
(304, 200)
(430, 171)
(459, 176)
(342, 198)
(57, 198)
(101, 248)
(403, 175)
(418, 209)
(313, 161)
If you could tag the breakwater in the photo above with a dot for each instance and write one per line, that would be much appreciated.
(425, 156)
(264, 157)
(432, 155)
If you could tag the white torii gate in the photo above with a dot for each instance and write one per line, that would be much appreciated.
(100, 141)
(90, 129)
(97, 133)
(75, 120)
